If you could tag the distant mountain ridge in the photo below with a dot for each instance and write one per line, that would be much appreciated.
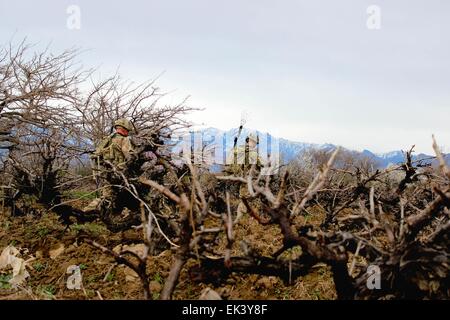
(289, 150)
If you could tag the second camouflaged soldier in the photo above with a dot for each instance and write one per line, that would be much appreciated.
(241, 160)
(112, 154)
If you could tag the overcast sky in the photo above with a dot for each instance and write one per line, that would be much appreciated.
(309, 71)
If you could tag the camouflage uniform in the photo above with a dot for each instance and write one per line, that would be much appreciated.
(116, 149)
(242, 159)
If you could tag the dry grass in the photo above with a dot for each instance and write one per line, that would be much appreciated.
(48, 276)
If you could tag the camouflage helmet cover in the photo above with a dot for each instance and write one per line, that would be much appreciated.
(125, 123)
(252, 136)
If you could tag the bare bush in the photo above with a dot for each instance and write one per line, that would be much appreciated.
(37, 92)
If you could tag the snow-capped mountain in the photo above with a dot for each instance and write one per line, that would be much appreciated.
(389, 158)
(289, 150)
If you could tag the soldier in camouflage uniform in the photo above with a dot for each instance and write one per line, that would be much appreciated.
(241, 160)
(112, 154)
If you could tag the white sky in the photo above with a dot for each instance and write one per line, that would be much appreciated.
(308, 71)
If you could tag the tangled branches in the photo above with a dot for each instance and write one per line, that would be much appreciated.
(409, 245)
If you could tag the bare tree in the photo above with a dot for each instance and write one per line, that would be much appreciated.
(37, 91)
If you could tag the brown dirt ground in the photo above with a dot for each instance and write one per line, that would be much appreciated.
(37, 237)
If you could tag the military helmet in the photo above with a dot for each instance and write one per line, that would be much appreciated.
(253, 137)
(125, 123)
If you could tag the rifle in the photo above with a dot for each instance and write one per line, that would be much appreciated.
(241, 126)
(95, 165)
